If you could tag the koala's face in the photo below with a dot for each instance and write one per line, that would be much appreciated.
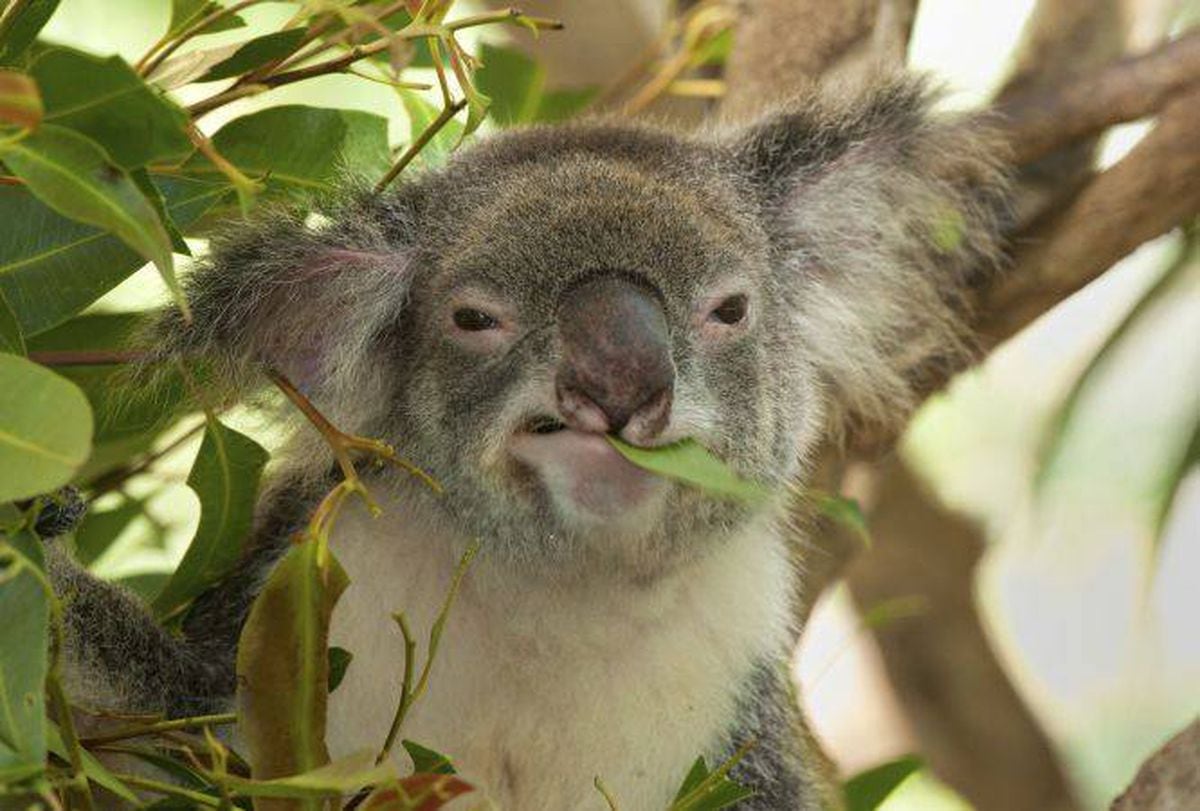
(559, 300)
(497, 319)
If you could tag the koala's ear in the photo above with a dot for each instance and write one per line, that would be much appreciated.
(881, 214)
(307, 299)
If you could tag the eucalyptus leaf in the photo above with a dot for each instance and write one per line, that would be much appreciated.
(20, 25)
(20, 102)
(11, 338)
(691, 463)
(344, 776)
(43, 250)
(426, 760)
(867, 790)
(704, 790)
(421, 114)
(283, 668)
(516, 85)
(225, 477)
(24, 643)
(45, 429)
(339, 661)
(100, 528)
(186, 13)
(255, 53)
(73, 175)
(845, 511)
(96, 771)
(104, 99)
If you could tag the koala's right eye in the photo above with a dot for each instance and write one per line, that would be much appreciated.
(472, 320)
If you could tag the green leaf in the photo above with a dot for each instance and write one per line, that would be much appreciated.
(300, 149)
(255, 53)
(20, 102)
(100, 528)
(344, 776)
(844, 511)
(420, 115)
(104, 99)
(186, 13)
(24, 643)
(691, 463)
(72, 175)
(45, 429)
(225, 477)
(559, 105)
(11, 339)
(94, 769)
(426, 760)
(20, 27)
(516, 85)
(867, 791)
(43, 250)
(282, 666)
(703, 790)
(154, 194)
(339, 661)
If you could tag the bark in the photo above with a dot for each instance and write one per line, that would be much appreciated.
(1170, 779)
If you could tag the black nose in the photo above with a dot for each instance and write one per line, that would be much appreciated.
(616, 369)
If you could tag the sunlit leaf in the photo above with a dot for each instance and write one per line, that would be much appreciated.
(282, 665)
(20, 26)
(104, 99)
(43, 250)
(72, 175)
(45, 429)
(691, 463)
(867, 790)
(186, 13)
(24, 644)
(427, 760)
(20, 102)
(256, 53)
(225, 477)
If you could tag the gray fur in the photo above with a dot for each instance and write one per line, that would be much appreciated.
(840, 220)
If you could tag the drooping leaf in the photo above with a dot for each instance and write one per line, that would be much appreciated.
(427, 760)
(225, 477)
(20, 26)
(104, 99)
(43, 250)
(96, 771)
(282, 665)
(11, 339)
(299, 149)
(339, 661)
(704, 790)
(186, 13)
(45, 429)
(344, 776)
(418, 792)
(867, 791)
(20, 102)
(691, 463)
(24, 642)
(256, 53)
(72, 175)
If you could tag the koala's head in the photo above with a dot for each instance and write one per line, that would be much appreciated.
(755, 291)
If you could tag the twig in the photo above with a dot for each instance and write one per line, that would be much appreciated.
(169, 790)
(605, 793)
(149, 62)
(416, 146)
(86, 357)
(110, 480)
(160, 726)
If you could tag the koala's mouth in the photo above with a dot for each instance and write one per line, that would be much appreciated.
(544, 425)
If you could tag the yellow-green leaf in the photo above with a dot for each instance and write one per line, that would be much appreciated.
(691, 463)
(45, 429)
(344, 776)
(73, 175)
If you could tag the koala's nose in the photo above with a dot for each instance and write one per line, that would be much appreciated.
(616, 375)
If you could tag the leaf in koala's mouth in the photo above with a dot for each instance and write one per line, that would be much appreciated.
(691, 463)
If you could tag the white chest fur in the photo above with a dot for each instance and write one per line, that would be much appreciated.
(536, 690)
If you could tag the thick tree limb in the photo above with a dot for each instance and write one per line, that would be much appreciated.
(1038, 121)
(1170, 779)
(1153, 189)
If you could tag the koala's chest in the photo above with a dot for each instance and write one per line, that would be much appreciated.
(533, 694)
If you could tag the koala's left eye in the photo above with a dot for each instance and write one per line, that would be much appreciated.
(472, 320)
(730, 311)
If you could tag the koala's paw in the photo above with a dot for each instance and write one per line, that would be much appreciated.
(61, 512)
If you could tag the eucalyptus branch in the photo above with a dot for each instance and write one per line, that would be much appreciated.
(150, 61)
(169, 790)
(408, 693)
(195, 722)
(416, 146)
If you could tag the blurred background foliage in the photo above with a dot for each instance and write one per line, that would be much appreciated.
(1075, 444)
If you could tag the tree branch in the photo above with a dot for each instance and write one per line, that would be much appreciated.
(1152, 190)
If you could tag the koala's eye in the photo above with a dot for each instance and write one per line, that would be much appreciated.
(472, 320)
(730, 311)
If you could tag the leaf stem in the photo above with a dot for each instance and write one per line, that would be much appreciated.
(158, 787)
(160, 726)
(149, 62)
(416, 146)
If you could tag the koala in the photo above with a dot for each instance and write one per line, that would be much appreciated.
(762, 289)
